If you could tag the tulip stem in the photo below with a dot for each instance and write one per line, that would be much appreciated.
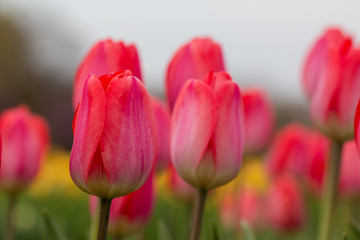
(329, 192)
(10, 218)
(104, 218)
(198, 214)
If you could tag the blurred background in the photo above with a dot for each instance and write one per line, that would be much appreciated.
(42, 43)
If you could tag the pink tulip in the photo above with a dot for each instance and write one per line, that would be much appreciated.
(115, 140)
(285, 209)
(301, 151)
(105, 57)
(242, 205)
(350, 170)
(130, 213)
(163, 118)
(25, 140)
(259, 120)
(194, 60)
(331, 79)
(178, 187)
(207, 131)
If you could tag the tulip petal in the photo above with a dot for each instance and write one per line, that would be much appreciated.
(228, 137)
(129, 141)
(193, 123)
(89, 125)
(357, 125)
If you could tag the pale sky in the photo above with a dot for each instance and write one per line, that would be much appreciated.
(264, 42)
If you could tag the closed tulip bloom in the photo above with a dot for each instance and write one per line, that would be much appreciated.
(285, 209)
(115, 140)
(349, 181)
(163, 119)
(259, 120)
(207, 131)
(104, 57)
(129, 214)
(193, 60)
(331, 80)
(25, 140)
(289, 151)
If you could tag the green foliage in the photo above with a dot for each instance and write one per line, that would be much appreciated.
(52, 229)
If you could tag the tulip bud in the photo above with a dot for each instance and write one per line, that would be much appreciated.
(349, 180)
(105, 57)
(285, 210)
(207, 131)
(163, 118)
(115, 140)
(25, 140)
(129, 214)
(259, 120)
(193, 60)
(331, 80)
(239, 206)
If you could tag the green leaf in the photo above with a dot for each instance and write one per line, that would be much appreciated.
(249, 235)
(215, 233)
(355, 229)
(163, 231)
(52, 229)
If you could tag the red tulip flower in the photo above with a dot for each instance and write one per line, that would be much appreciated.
(163, 119)
(105, 57)
(259, 120)
(285, 209)
(130, 213)
(193, 60)
(349, 182)
(331, 79)
(25, 140)
(207, 131)
(115, 139)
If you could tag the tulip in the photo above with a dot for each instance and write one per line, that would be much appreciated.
(207, 136)
(284, 208)
(105, 57)
(259, 120)
(331, 80)
(349, 182)
(193, 60)
(239, 206)
(115, 140)
(129, 214)
(25, 140)
(163, 118)
(289, 151)
(207, 132)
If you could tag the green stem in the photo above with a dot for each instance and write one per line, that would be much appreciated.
(10, 218)
(104, 218)
(329, 192)
(198, 214)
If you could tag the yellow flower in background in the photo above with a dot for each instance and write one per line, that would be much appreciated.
(252, 175)
(54, 176)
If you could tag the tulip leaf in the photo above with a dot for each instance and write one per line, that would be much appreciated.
(355, 229)
(163, 231)
(249, 235)
(215, 232)
(52, 229)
